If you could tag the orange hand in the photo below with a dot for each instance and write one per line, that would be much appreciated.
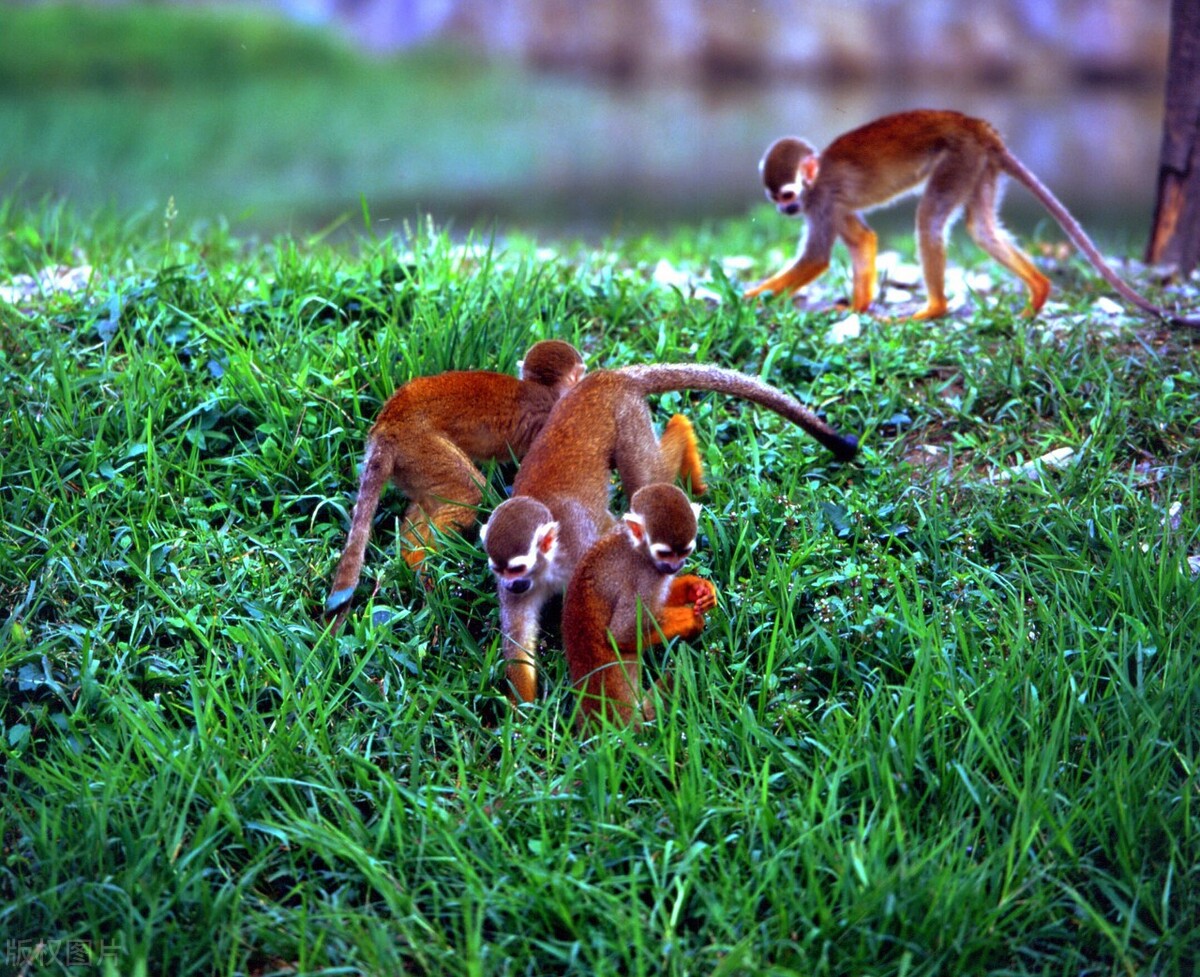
(690, 589)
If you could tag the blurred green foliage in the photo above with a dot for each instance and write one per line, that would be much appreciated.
(243, 116)
(78, 46)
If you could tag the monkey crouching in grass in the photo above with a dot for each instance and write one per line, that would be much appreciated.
(959, 160)
(427, 440)
(624, 595)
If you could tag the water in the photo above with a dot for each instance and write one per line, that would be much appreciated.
(556, 157)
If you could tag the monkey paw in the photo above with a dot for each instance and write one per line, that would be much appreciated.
(693, 590)
(703, 596)
(932, 310)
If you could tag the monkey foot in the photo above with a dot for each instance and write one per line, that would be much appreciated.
(933, 310)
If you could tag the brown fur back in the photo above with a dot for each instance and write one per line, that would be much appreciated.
(476, 410)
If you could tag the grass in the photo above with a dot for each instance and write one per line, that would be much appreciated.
(942, 722)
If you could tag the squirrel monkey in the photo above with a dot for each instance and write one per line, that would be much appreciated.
(427, 438)
(561, 493)
(625, 594)
(535, 539)
(958, 159)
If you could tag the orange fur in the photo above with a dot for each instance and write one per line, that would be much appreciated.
(600, 424)
(620, 600)
(427, 439)
(958, 159)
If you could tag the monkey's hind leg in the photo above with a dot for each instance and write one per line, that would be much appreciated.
(947, 190)
(863, 245)
(445, 495)
(612, 689)
(681, 453)
(984, 228)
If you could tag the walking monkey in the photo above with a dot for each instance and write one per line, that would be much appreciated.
(427, 439)
(560, 497)
(959, 160)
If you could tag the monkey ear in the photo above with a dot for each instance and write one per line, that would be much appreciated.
(483, 531)
(696, 509)
(635, 525)
(545, 538)
(809, 167)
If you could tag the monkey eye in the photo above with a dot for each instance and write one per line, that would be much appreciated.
(660, 551)
(514, 568)
(786, 196)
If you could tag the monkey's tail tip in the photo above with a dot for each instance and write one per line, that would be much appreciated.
(339, 601)
(844, 447)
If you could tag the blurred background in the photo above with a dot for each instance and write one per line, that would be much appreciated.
(582, 118)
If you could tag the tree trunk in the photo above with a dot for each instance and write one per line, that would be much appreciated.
(1175, 234)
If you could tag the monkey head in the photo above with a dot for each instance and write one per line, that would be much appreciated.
(552, 363)
(662, 523)
(788, 167)
(521, 540)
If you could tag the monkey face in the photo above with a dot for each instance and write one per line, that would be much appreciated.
(521, 540)
(517, 585)
(516, 576)
(662, 524)
(668, 559)
(786, 199)
(788, 166)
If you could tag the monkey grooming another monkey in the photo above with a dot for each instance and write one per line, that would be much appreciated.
(427, 439)
(624, 595)
(561, 493)
(958, 159)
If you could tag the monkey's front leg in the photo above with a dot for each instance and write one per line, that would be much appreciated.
(794, 277)
(519, 623)
(689, 599)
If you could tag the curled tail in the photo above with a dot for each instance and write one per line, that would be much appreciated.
(660, 378)
(1018, 171)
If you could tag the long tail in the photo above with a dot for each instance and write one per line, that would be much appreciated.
(376, 470)
(1016, 169)
(660, 378)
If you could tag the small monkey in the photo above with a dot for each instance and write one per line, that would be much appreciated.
(625, 594)
(427, 439)
(560, 495)
(958, 159)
